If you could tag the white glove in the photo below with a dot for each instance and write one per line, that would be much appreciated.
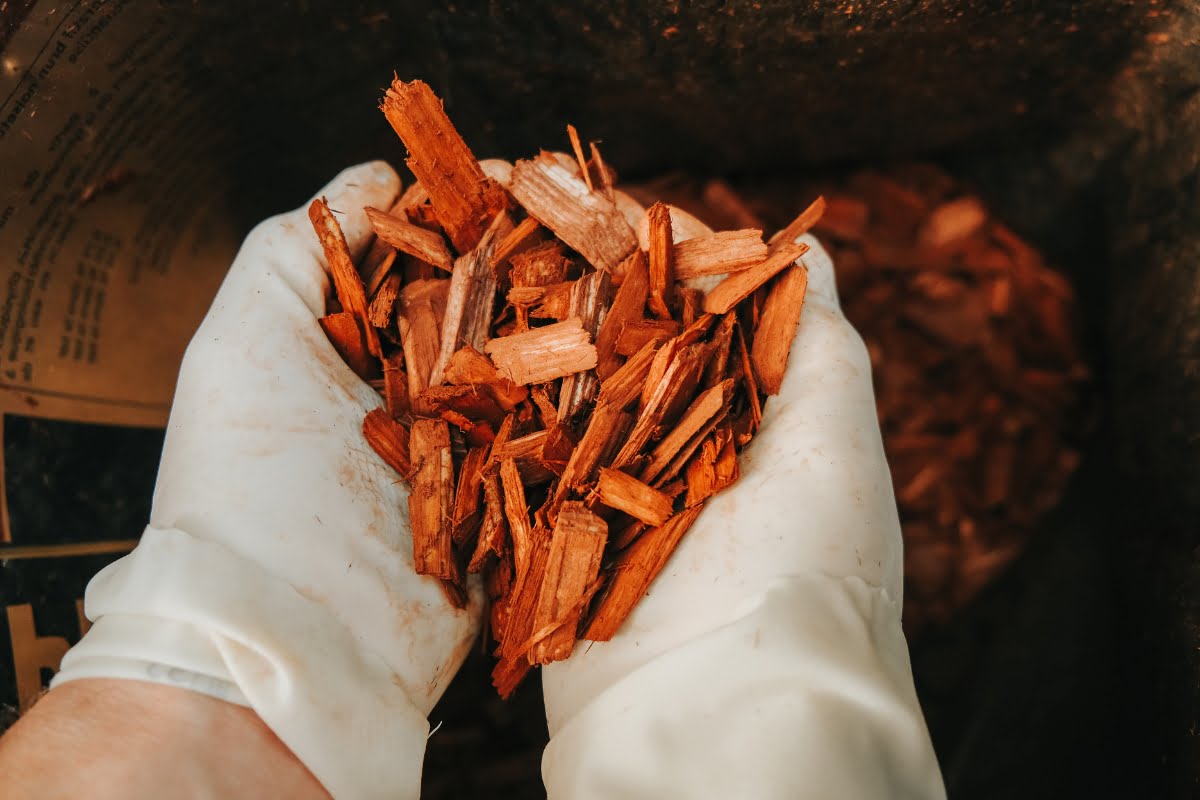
(767, 659)
(277, 568)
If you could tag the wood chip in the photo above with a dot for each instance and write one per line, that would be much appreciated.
(469, 367)
(738, 286)
(572, 566)
(637, 333)
(636, 567)
(422, 305)
(661, 258)
(469, 302)
(627, 306)
(719, 253)
(625, 493)
(590, 297)
(544, 354)
(346, 281)
(777, 328)
(418, 242)
(431, 501)
(464, 199)
(587, 221)
(389, 439)
(346, 336)
(800, 225)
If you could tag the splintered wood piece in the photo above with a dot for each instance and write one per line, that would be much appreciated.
(706, 406)
(688, 450)
(545, 406)
(625, 385)
(493, 530)
(346, 281)
(719, 253)
(589, 299)
(389, 439)
(600, 172)
(469, 367)
(521, 608)
(691, 303)
(747, 370)
(554, 302)
(635, 568)
(431, 501)
(468, 401)
(346, 335)
(572, 566)
(469, 304)
(722, 341)
(556, 450)
(419, 312)
(738, 286)
(544, 354)
(625, 493)
(627, 306)
(637, 333)
(526, 452)
(777, 328)
(661, 257)
(395, 386)
(379, 313)
(714, 468)
(418, 242)
(540, 265)
(800, 225)
(517, 513)
(464, 199)
(606, 427)
(661, 400)
(577, 146)
(468, 513)
(588, 222)
(376, 265)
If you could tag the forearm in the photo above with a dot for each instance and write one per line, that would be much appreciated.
(102, 738)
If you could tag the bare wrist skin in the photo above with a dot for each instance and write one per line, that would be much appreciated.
(112, 738)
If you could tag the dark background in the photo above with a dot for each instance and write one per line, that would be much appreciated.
(1077, 672)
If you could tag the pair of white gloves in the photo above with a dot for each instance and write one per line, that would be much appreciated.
(767, 660)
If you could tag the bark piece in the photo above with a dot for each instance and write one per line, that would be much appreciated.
(464, 199)
(662, 399)
(406, 237)
(469, 302)
(747, 370)
(517, 241)
(431, 501)
(552, 302)
(346, 335)
(738, 286)
(589, 301)
(521, 608)
(544, 354)
(572, 566)
(777, 328)
(346, 281)
(586, 221)
(419, 313)
(390, 440)
(661, 258)
(635, 568)
(627, 306)
(469, 401)
(606, 428)
(527, 453)
(719, 253)
(625, 493)
(540, 265)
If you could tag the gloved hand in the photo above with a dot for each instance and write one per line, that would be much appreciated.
(277, 568)
(767, 659)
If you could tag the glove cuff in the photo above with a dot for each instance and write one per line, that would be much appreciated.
(190, 612)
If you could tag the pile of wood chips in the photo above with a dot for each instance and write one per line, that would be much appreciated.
(982, 391)
(561, 395)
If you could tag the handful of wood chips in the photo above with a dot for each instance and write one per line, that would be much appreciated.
(560, 398)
